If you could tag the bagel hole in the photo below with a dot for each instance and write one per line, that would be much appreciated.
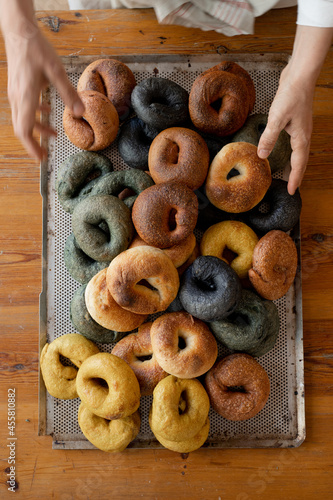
(237, 388)
(66, 361)
(239, 319)
(205, 286)
(216, 105)
(125, 193)
(182, 405)
(144, 357)
(233, 173)
(172, 219)
(92, 176)
(159, 99)
(229, 255)
(264, 207)
(147, 285)
(173, 153)
(100, 382)
(181, 343)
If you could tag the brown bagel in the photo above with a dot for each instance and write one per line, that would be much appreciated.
(183, 345)
(179, 154)
(99, 125)
(232, 88)
(143, 280)
(137, 351)
(165, 214)
(243, 191)
(111, 78)
(274, 265)
(238, 387)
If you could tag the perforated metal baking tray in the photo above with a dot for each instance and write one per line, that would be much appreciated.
(282, 421)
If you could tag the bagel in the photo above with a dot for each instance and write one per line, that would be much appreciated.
(183, 345)
(112, 78)
(274, 265)
(60, 380)
(179, 154)
(105, 310)
(99, 125)
(112, 436)
(136, 350)
(238, 387)
(234, 236)
(186, 445)
(143, 280)
(108, 387)
(165, 214)
(244, 190)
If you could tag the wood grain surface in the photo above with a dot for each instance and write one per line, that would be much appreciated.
(241, 474)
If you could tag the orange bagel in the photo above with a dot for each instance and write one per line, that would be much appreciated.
(179, 154)
(243, 191)
(274, 265)
(198, 352)
(99, 125)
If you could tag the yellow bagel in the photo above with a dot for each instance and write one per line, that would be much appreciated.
(180, 408)
(108, 435)
(187, 445)
(232, 235)
(108, 386)
(60, 380)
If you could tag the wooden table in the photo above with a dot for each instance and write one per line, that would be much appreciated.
(240, 474)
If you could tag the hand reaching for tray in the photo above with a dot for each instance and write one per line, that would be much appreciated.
(292, 106)
(32, 65)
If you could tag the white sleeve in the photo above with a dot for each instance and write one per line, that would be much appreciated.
(315, 13)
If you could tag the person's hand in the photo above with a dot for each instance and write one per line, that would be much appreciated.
(32, 65)
(291, 110)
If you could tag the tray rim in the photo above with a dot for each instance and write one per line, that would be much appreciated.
(71, 63)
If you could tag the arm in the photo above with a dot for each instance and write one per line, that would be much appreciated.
(32, 64)
(292, 106)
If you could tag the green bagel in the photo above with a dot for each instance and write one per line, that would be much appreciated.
(115, 182)
(86, 325)
(79, 265)
(252, 328)
(87, 218)
(251, 132)
(77, 176)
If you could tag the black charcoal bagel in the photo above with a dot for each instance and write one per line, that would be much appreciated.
(252, 131)
(283, 209)
(115, 182)
(210, 289)
(77, 176)
(87, 218)
(134, 141)
(253, 327)
(79, 265)
(86, 325)
(160, 102)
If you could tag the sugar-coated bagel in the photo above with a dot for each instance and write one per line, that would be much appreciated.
(108, 387)
(143, 280)
(60, 380)
(238, 387)
(112, 436)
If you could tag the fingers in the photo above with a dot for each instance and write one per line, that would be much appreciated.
(298, 161)
(269, 137)
(56, 74)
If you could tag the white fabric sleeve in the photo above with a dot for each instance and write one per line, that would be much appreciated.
(317, 13)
